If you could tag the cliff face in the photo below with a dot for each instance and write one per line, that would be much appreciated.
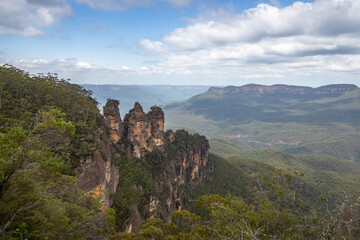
(96, 173)
(186, 167)
(190, 160)
(175, 160)
(189, 166)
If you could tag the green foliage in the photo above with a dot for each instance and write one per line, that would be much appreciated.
(34, 193)
(232, 107)
(111, 218)
(59, 112)
(135, 187)
(228, 179)
(185, 220)
(140, 178)
(38, 197)
(156, 162)
(182, 142)
(225, 149)
(24, 233)
(266, 218)
(47, 125)
(22, 96)
(332, 176)
(345, 146)
(53, 119)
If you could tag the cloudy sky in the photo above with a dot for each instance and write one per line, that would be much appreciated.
(201, 42)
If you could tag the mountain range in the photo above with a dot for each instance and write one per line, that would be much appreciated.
(291, 118)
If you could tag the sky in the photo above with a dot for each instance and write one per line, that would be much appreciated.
(184, 42)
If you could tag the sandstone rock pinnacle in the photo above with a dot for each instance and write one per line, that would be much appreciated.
(113, 120)
(144, 131)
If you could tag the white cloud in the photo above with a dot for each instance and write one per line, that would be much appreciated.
(85, 65)
(150, 45)
(32, 63)
(268, 42)
(315, 71)
(28, 17)
(321, 18)
(85, 72)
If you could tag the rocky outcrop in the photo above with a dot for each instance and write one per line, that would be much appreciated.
(177, 160)
(189, 164)
(156, 117)
(144, 131)
(187, 167)
(113, 120)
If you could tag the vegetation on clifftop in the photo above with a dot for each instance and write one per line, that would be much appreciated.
(41, 120)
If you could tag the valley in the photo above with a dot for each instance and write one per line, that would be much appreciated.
(277, 157)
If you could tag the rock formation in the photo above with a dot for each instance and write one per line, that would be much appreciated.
(156, 117)
(181, 160)
(144, 131)
(189, 165)
(113, 120)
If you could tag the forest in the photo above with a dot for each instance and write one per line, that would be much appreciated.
(43, 123)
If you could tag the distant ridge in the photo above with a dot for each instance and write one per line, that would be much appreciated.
(333, 89)
(277, 116)
(146, 95)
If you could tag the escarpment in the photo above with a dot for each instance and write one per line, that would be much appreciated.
(330, 90)
(172, 165)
